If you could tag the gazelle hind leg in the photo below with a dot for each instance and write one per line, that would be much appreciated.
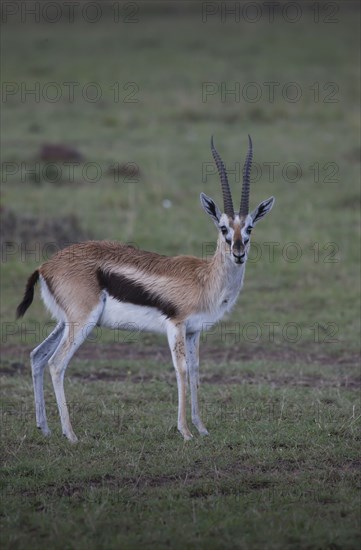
(192, 341)
(177, 345)
(74, 336)
(39, 359)
(57, 365)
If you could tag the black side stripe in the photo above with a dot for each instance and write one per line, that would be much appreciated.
(124, 289)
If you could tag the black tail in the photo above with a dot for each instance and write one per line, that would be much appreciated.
(29, 294)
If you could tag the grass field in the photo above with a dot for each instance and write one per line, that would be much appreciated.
(280, 376)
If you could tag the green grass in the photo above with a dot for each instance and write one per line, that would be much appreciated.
(280, 469)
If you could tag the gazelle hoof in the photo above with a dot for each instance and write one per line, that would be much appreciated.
(187, 436)
(44, 431)
(71, 437)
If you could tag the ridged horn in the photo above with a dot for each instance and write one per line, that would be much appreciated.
(244, 206)
(227, 197)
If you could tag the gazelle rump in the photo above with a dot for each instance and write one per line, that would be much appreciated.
(110, 284)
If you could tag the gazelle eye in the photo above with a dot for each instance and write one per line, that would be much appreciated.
(224, 230)
(249, 230)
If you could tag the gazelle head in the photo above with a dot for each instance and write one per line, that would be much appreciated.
(235, 227)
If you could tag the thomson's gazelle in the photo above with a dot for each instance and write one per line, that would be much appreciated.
(111, 284)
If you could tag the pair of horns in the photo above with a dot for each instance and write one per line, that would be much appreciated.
(227, 197)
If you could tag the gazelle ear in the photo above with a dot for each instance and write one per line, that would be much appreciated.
(262, 209)
(210, 207)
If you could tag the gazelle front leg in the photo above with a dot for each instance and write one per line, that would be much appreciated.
(192, 342)
(177, 344)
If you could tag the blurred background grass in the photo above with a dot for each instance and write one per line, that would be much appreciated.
(154, 112)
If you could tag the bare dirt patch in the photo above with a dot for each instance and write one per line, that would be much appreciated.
(27, 230)
(218, 355)
(341, 377)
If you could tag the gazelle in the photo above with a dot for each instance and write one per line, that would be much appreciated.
(110, 284)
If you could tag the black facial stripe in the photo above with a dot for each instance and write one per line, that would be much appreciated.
(124, 289)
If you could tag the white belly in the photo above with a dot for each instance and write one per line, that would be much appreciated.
(202, 321)
(205, 320)
(127, 316)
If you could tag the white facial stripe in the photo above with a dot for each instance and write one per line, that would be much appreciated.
(248, 223)
(223, 220)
